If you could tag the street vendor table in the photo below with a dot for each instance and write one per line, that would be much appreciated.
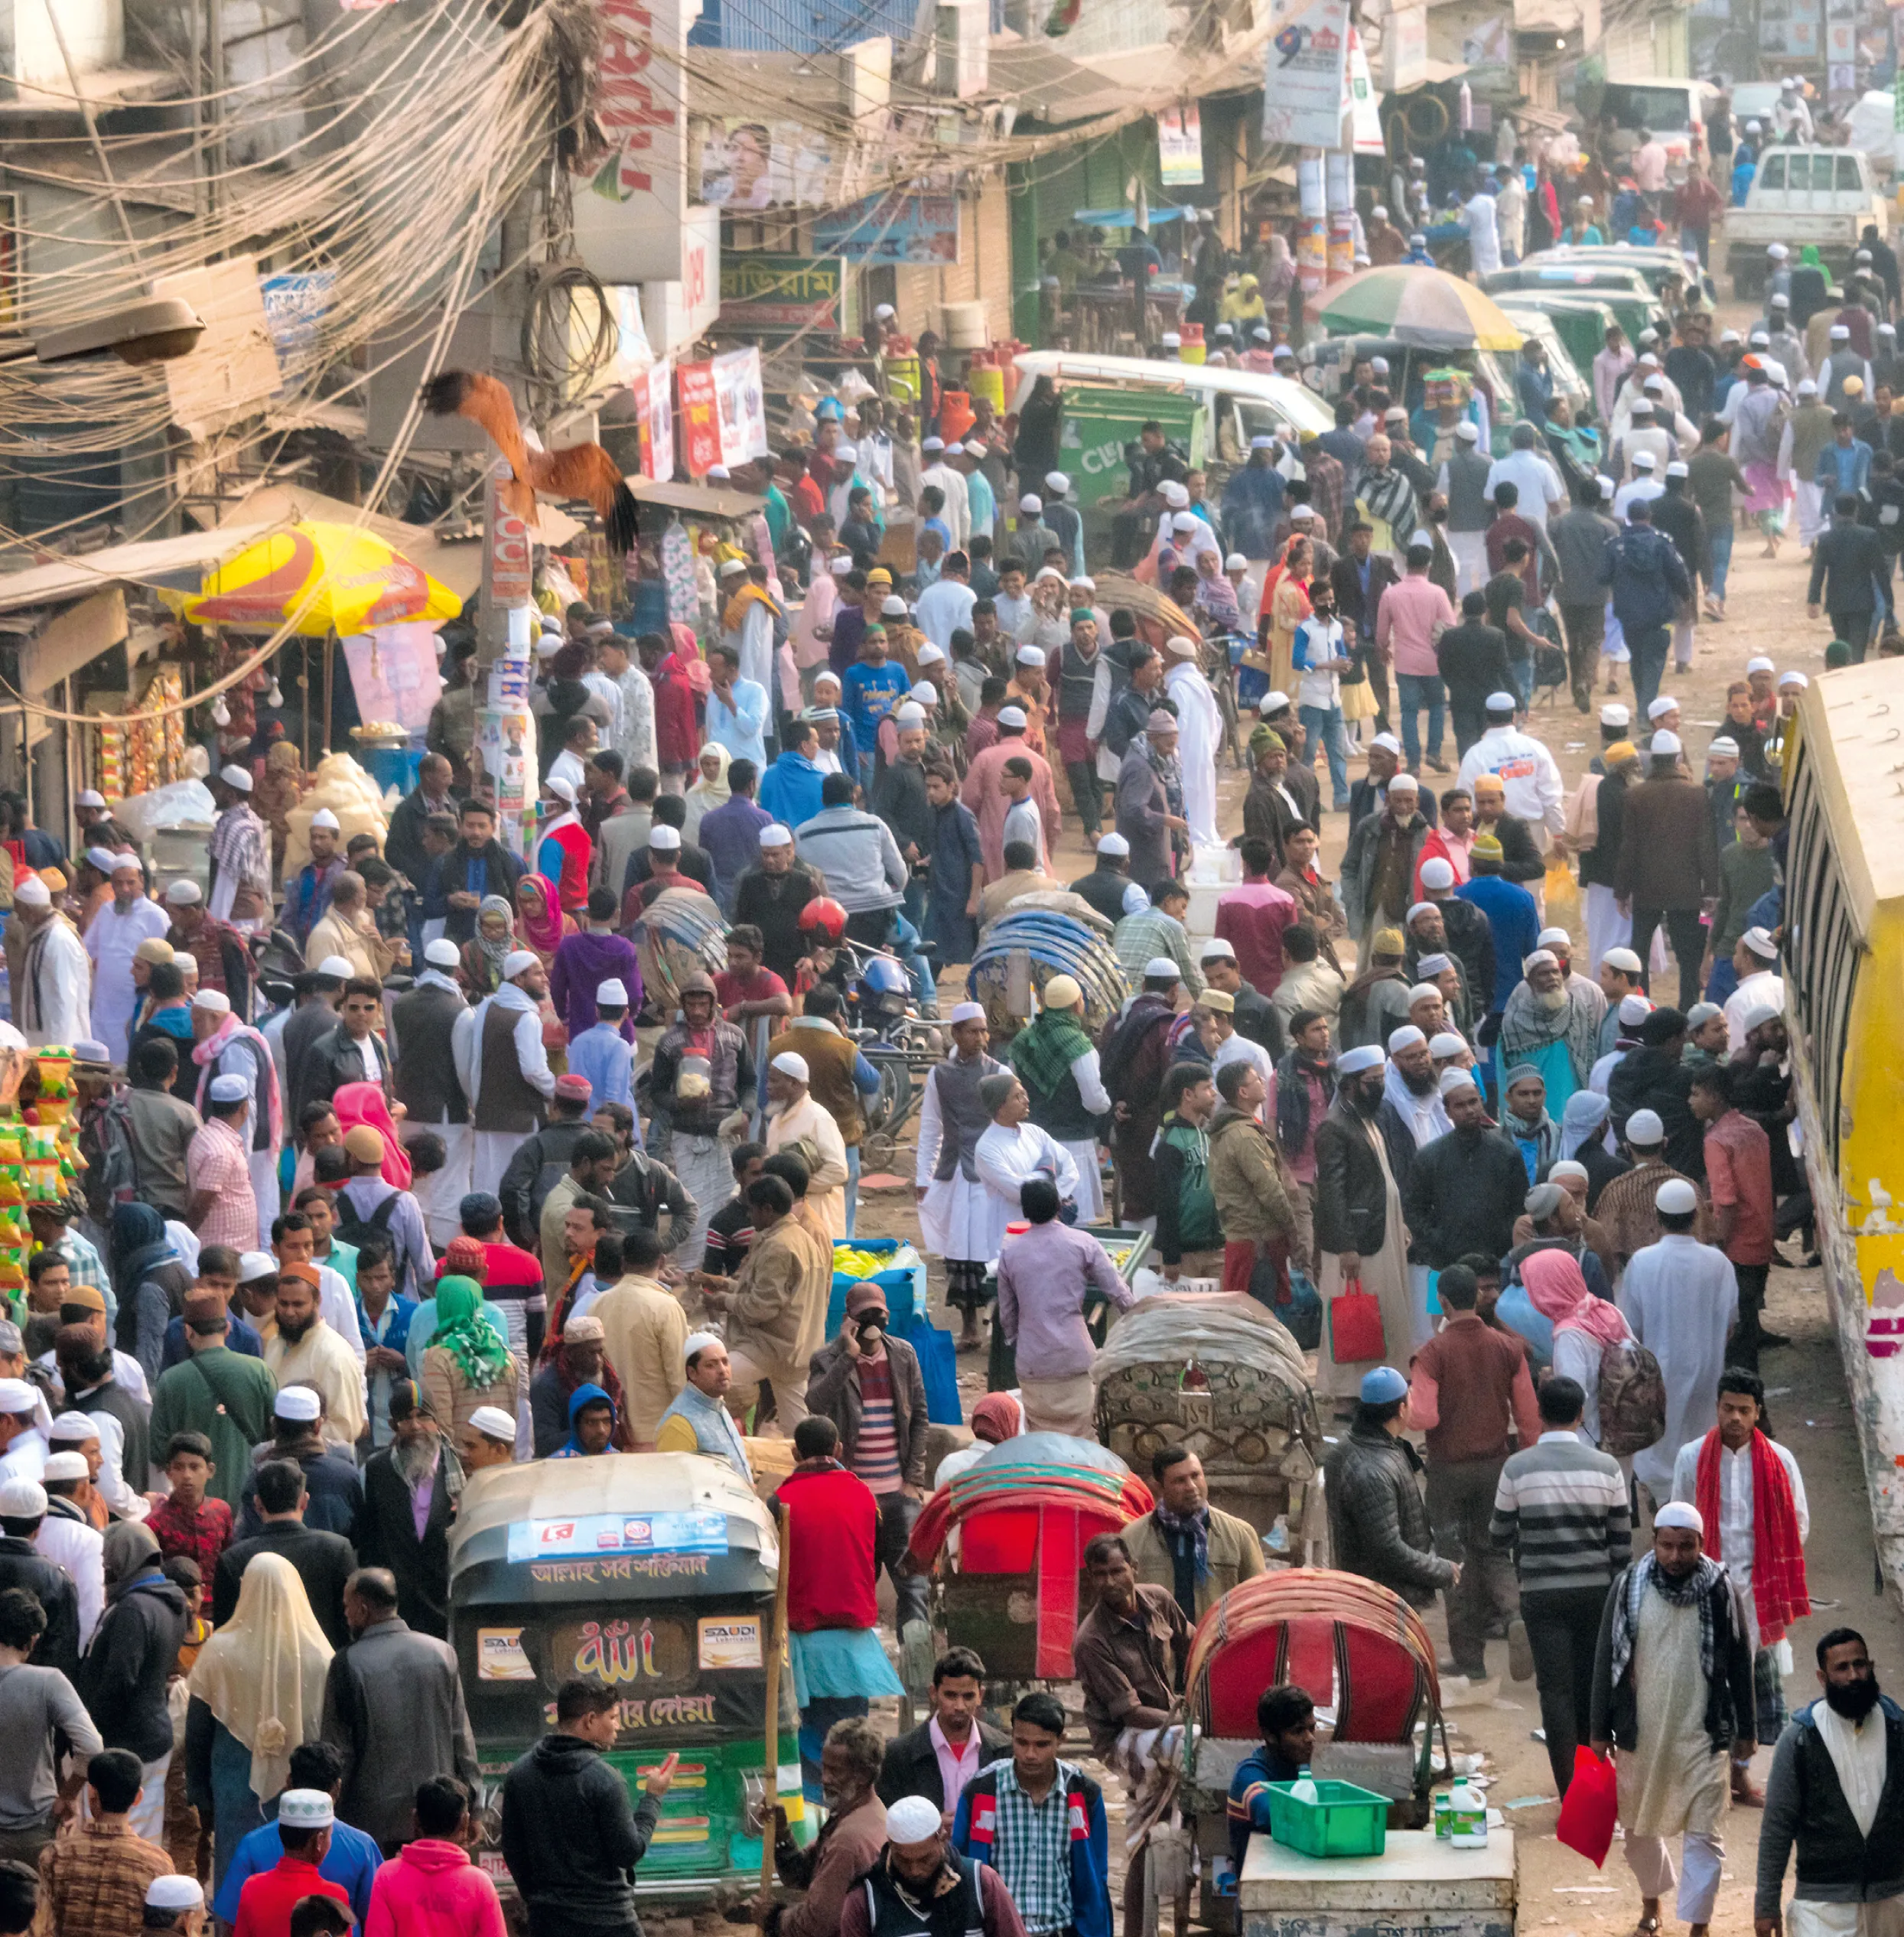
(1419, 1886)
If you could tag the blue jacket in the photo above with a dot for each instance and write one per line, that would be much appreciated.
(1516, 924)
(790, 789)
(351, 1863)
(1843, 468)
(334, 1484)
(974, 1831)
(240, 1336)
(1648, 577)
(1248, 1808)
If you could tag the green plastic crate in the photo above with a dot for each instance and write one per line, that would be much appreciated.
(1344, 1820)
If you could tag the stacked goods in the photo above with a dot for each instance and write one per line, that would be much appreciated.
(340, 784)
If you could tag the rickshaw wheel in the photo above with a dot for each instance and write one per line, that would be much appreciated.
(877, 1151)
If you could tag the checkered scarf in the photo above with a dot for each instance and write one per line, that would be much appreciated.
(1696, 1586)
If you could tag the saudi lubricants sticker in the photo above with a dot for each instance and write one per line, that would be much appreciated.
(500, 1656)
(619, 1533)
(730, 1640)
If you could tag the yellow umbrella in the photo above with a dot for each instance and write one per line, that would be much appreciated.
(332, 578)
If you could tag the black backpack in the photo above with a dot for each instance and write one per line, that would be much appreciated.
(353, 1230)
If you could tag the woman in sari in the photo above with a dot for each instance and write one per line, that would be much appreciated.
(363, 1102)
(540, 923)
(467, 1362)
(481, 970)
(1289, 606)
(255, 1693)
(710, 790)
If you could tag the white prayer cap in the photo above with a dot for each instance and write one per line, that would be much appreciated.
(1259, 334)
(1665, 742)
(1495, 703)
(1625, 960)
(845, 453)
(1659, 708)
(1841, 333)
(667, 839)
(840, 565)
(1614, 714)
(1160, 968)
(1539, 959)
(1236, 562)
(306, 1809)
(1430, 966)
(911, 714)
(1723, 745)
(255, 1264)
(1760, 339)
(1759, 1014)
(1777, 251)
(1680, 1513)
(65, 1466)
(1676, 469)
(967, 1012)
(1012, 716)
(790, 1064)
(17, 1396)
(1467, 433)
(228, 1090)
(561, 789)
(1056, 481)
(442, 953)
(235, 777)
(1216, 949)
(519, 962)
(721, 472)
(929, 655)
(33, 893)
(1554, 938)
(1352, 1063)
(1676, 1197)
(1030, 656)
(22, 1499)
(1407, 1036)
(1635, 1009)
(729, 567)
(324, 818)
(1642, 459)
(1031, 502)
(1446, 1044)
(698, 1342)
(124, 862)
(1643, 1127)
(612, 993)
(1404, 784)
(91, 798)
(174, 1892)
(933, 444)
(549, 644)
(1184, 521)
(1274, 702)
(1089, 585)
(298, 1402)
(215, 1001)
(911, 1819)
(1760, 942)
(1174, 494)
(776, 835)
(892, 607)
(973, 447)
(1807, 387)
(336, 968)
(1759, 663)
(105, 860)
(1302, 514)
(1796, 680)
(1388, 743)
(1437, 873)
(77, 1426)
(1262, 444)
(1454, 1079)
(605, 628)
(884, 313)
(1115, 845)
(493, 1423)
(1702, 1013)
(1566, 1167)
(583, 1329)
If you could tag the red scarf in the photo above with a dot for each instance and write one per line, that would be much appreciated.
(1779, 1593)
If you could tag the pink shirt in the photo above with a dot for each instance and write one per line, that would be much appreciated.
(217, 1160)
(1251, 919)
(956, 1768)
(1414, 613)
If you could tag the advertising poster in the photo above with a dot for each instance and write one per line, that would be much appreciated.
(393, 673)
(740, 402)
(1303, 68)
(896, 228)
(757, 164)
(654, 395)
(1180, 147)
(780, 293)
(700, 418)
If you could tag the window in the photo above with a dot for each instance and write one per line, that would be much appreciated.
(1824, 952)
(1772, 171)
(1850, 181)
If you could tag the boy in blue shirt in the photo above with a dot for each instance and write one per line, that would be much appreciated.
(871, 688)
(351, 1863)
(1286, 1720)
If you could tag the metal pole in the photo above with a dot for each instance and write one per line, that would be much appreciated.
(215, 63)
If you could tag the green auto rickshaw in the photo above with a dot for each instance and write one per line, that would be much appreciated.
(653, 1573)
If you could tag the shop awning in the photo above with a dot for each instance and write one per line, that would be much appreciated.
(176, 562)
(697, 500)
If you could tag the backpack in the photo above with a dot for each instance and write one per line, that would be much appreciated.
(352, 1229)
(111, 1176)
(1632, 1398)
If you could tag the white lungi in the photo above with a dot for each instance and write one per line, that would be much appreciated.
(1811, 498)
(440, 1195)
(1090, 1194)
(1606, 927)
(490, 1152)
(1470, 550)
(263, 1165)
(1613, 645)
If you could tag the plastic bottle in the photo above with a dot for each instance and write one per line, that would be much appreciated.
(1469, 1807)
(1303, 1788)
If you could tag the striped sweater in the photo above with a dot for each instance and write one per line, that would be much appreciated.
(1561, 1507)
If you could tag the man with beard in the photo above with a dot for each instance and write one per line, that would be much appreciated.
(1829, 1777)
(1377, 868)
(914, 1873)
(1271, 808)
(1552, 1022)
(946, 1184)
(1360, 1238)
(410, 1492)
(1465, 1189)
(1672, 1651)
(1749, 1490)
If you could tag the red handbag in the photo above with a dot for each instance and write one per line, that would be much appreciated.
(1355, 1331)
(1590, 1807)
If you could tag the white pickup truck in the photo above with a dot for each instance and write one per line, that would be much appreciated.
(1822, 196)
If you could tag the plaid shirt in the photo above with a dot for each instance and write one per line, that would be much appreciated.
(1032, 1849)
(93, 1884)
(1150, 932)
(217, 1160)
(201, 1537)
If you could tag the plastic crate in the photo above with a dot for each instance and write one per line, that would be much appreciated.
(1344, 1820)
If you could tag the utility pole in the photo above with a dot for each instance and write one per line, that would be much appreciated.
(505, 639)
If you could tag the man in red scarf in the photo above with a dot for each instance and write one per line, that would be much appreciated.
(1748, 1492)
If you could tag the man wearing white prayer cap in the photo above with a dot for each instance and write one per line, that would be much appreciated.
(1755, 959)
(175, 1903)
(50, 985)
(23, 1445)
(227, 1046)
(951, 1194)
(1679, 1695)
(504, 1068)
(112, 941)
(307, 893)
(486, 1438)
(423, 1045)
(793, 1117)
(240, 886)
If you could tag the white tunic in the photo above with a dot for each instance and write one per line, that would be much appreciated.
(51, 999)
(1681, 1299)
(1734, 1543)
(111, 941)
(1527, 772)
(1007, 1160)
(75, 1547)
(1200, 737)
(953, 1218)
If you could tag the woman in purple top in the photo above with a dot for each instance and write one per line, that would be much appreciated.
(584, 962)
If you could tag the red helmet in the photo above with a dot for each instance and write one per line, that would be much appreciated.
(826, 916)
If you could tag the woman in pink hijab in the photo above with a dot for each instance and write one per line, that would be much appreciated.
(1583, 1325)
(363, 1102)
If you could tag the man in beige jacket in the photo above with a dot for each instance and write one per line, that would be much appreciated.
(1194, 1551)
(776, 1306)
(644, 1331)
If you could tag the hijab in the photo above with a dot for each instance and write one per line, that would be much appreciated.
(494, 953)
(262, 1674)
(542, 926)
(465, 1329)
(363, 1102)
(705, 795)
(1559, 1293)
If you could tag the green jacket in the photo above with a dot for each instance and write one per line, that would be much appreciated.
(1246, 1178)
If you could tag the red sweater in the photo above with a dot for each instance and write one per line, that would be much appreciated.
(265, 1903)
(831, 1578)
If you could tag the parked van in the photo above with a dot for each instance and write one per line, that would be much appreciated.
(1821, 195)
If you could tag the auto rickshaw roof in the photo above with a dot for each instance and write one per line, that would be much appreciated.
(637, 1525)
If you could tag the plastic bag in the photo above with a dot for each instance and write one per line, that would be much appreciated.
(1563, 894)
(1355, 1334)
(1590, 1807)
